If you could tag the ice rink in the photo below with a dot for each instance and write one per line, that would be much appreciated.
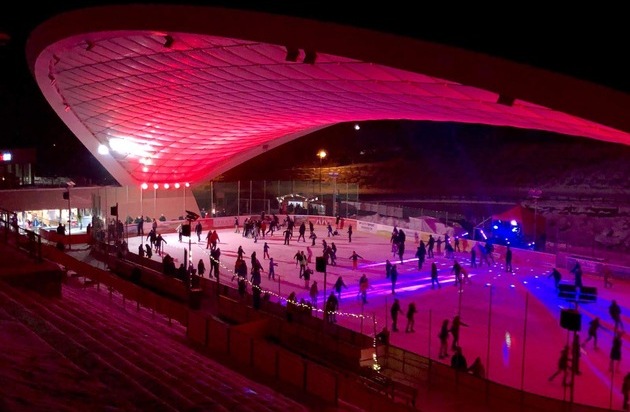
(512, 319)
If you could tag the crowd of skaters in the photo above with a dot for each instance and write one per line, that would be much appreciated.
(256, 228)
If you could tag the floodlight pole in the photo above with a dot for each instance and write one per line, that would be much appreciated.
(69, 221)
(334, 176)
(321, 154)
(189, 249)
(535, 194)
(69, 184)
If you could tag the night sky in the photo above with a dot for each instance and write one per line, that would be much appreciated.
(567, 43)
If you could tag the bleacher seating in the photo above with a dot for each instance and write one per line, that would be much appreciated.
(106, 357)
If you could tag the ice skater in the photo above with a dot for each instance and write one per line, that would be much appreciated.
(434, 276)
(421, 253)
(266, 251)
(394, 311)
(557, 277)
(355, 259)
(615, 313)
(563, 365)
(456, 324)
(508, 259)
(593, 326)
(272, 270)
(411, 318)
(443, 336)
(393, 277)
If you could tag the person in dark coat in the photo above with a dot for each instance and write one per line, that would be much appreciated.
(430, 246)
(215, 260)
(593, 326)
(615, 351)
(458, 360)
(557, 277)
(577, 271)
(394, 277)
(563, 365)
(339, 284)
(201, 267)
(456, 324)
(615, 313)
(332, 304)
(443, 337)
(411, 318)
(394, 311)
(434, 276)
(388, 268)
(198, 230)
(421, 252)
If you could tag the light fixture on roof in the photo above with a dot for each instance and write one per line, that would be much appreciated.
(103, 150)
(168, 41)
(129, 147)
(292, 54)
(144, 186)
(309, 56)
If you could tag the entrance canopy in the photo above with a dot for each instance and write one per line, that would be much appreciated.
(180, 94)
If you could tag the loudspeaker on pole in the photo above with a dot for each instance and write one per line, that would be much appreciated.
(320, 264)
(571, 319)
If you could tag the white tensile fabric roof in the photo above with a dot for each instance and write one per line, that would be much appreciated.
(174, 107)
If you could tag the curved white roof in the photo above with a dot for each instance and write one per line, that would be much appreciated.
(175, 106)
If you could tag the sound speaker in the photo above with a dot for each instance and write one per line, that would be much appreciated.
(571, 319)
(185, 230)
(588, 294)
(320, 264)
(566, 291)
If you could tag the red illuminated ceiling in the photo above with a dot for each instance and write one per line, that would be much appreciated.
(208, 89)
